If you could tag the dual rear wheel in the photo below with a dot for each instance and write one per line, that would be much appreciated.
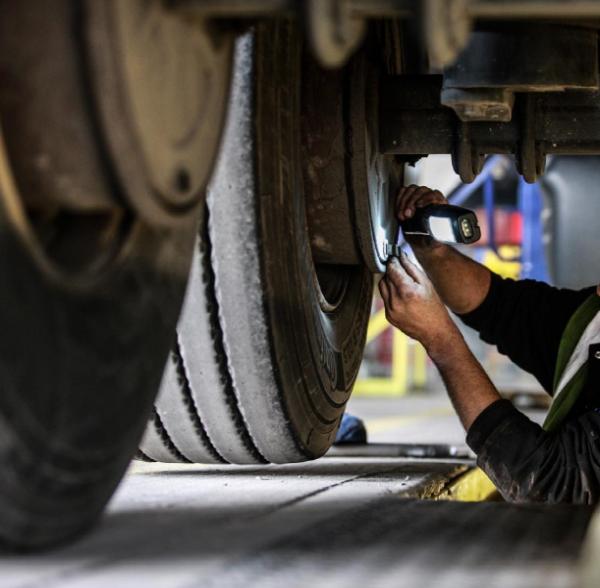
(107, 140)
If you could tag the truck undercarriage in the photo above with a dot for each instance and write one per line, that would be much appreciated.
(255, 147)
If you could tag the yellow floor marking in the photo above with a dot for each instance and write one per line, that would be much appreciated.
(382, 424)
(474, 486)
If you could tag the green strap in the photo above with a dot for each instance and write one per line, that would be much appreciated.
(577, 324)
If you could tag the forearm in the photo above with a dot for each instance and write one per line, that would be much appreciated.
(413, 306)
(461, 283)
(469, 388)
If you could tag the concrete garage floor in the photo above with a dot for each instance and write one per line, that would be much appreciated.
(416, 418)
(339, 521)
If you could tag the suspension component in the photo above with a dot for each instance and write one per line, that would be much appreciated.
(416, 122)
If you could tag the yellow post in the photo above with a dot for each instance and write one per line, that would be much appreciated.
(419, 379)
(400, 362)
(377, 324)
(397, 383)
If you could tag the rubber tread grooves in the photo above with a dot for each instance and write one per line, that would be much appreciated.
(220, 356)
(164, 435)
(188, 400)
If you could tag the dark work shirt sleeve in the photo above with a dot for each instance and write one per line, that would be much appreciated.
(525, 319)
(528, 464)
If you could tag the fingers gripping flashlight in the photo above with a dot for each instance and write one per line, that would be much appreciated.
(444, 223)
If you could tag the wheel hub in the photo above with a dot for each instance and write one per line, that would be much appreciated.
(376, 177)
(161, 82)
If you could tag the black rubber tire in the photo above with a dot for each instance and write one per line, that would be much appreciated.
(265, 369)
(81, 357)
(78, 375)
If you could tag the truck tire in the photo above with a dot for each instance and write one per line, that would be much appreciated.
(91, 289)
(79, 373)
(269, 342)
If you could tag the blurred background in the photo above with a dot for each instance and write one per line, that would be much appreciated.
(399, 393)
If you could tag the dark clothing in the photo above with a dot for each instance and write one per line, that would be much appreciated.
(525, 320)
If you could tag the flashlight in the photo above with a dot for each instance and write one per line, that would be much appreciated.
(445, 223)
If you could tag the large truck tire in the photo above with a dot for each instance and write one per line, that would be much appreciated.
(269, 342)
(79, 372)
(92, 278)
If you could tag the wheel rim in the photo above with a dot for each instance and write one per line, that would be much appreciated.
(161, 83)
(376, 178)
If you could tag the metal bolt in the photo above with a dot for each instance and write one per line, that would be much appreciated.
(597, 355)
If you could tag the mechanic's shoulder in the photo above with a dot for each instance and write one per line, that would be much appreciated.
(541, 286)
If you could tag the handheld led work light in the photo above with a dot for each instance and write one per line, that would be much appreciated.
(445, 223)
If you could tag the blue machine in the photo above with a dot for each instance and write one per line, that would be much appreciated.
(530, 204)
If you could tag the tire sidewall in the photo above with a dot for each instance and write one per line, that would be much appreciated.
(318, 351)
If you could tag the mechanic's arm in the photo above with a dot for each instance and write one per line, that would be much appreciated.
(528, 464)
(413, 306)
(524, 462)
(524, 319)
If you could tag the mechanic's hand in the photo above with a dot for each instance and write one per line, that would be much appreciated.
(413, 306)
(410, 198)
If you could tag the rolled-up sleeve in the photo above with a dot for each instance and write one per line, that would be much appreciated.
(528, 464)
(525, 319)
